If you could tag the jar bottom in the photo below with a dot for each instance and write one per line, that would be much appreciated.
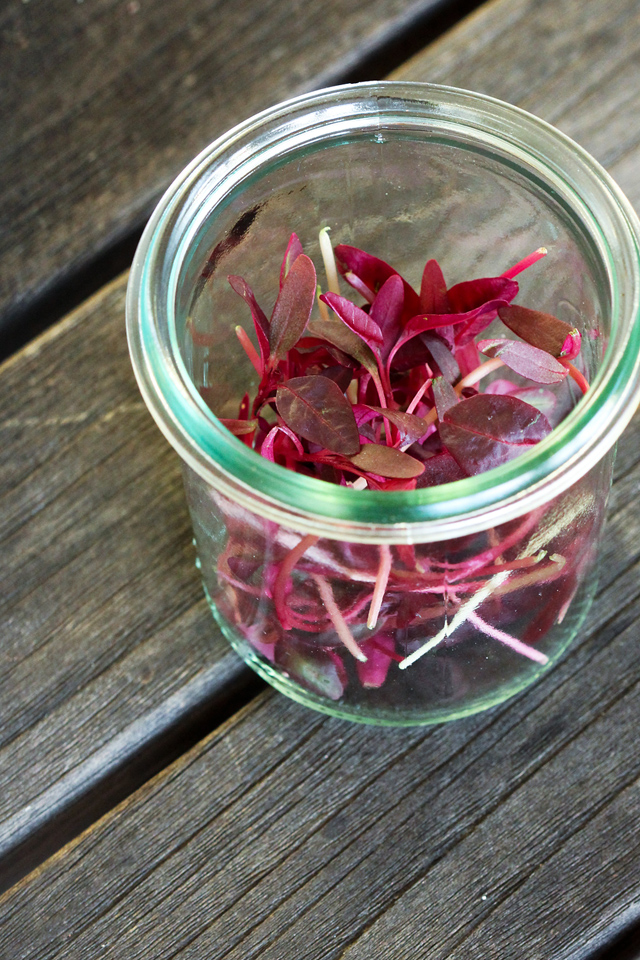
(373, 707)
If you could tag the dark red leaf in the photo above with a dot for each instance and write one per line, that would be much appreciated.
(542, 330)
(341, 336)
(293, 308)
(373, 272)
(444, 396)
(523, 358)
(410, 426)
(386, 311)
(260, 321)
(486, 431)
(356, 319)
(293, 251)
(440, 469)
(340, 375)
(315, 408)
(471, 294)
(386, 462)
(483, 314)
(433, 290)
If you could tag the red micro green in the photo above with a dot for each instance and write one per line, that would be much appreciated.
(387, 389)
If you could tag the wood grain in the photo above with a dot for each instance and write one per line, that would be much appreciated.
(287, 834)
(102, 103)
(106, 642)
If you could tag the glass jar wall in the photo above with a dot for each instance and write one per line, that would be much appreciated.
(409, 606)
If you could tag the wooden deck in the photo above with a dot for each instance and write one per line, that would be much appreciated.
(156, 800)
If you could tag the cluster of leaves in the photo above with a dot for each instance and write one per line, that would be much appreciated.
(387, 390)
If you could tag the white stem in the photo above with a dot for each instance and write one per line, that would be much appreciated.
(508, 640)
(342, 628)
(329, 260)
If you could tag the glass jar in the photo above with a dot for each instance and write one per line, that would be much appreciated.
(481, 584)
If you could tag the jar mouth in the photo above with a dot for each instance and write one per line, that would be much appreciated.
(433, 513)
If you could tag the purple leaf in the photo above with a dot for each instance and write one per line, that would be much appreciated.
(444, 396)
(542, 330)
(522, 358)
(239, 427)
(442, 356)
(486, 431)
(410, 426)
(386, 462)
(440, 469)
(341, 336)
(293, 308)
(340, 375)
(293, 251)
(433, 290)
(260, 321)
(315, 408)
(356, 319)
(386, 311)
(543, 400)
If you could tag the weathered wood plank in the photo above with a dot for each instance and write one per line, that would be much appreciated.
(107, 644)
(286, 834)
(102, 103)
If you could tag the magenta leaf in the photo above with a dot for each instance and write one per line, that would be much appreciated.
(293, 308)
(386, 311)
(373, 272)
(291, 254)
(522, 358)
(260, 321)
(472, 294)
(542, 330)
(386, 462)
(410, 426)
(315, 408)
(444, 396)
(485, 431)
(433, 290)
(239, 427)
(356, 319)
(380, 653)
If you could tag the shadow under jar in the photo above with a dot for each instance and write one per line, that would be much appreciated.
(486, 580)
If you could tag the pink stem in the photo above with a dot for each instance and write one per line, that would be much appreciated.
(575, 374)
(249, 349)
(527, 262)
(285, 571)
(381, 585)
(338, 620)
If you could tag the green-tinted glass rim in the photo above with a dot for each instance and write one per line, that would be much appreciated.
(436, 513)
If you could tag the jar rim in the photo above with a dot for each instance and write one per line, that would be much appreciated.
(433, 513)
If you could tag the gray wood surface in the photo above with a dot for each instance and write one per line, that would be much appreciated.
(285, 834)
(103, 102)
(106, 642)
